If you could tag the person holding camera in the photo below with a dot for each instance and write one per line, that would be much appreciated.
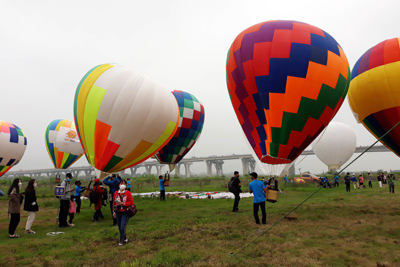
(65, 201)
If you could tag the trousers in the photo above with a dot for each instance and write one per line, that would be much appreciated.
(256, 206)
(122, 221)
(30, 220)
(14, 221)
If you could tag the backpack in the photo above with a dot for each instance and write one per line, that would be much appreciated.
(230, 185)
(93, 197)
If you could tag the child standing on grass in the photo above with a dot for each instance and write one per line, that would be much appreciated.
(30, 205)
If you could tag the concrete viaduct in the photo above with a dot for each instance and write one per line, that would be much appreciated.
(212, 162)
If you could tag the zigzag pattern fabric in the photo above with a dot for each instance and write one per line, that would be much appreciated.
(189, 128)
(12, 146)
(286, 80)
(374, 93)
(62, 143)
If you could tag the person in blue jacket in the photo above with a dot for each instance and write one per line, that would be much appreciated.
(112, 182)
(258, 189)
(77, 195)
(162, 187)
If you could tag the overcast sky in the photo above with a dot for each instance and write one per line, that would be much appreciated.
(47, 46)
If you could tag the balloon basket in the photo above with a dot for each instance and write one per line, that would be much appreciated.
(272, 195)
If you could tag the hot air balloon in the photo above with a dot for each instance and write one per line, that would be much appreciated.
(286, 80)
(336, 145)
(189, 129)
(62, 143)
(122, 117)
(12, 146)
(374, 93)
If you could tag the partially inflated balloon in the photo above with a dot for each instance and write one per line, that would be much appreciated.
(374, 94)
(286, 80)
(189, 129)
(12, 146)
(336, 145)
(62, 143)
(122, 117)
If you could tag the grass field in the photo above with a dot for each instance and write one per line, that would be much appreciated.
(333, 228)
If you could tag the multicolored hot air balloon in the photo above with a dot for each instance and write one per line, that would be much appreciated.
(62, 143)
(374, 93)
(189, 129)
(12, 146)
(286, 80)
(122, 117)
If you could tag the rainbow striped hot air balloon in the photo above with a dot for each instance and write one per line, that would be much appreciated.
(189, 129)
(374, 93)
(122, 117)
(286, 80)
(12, 146)
(62, 143)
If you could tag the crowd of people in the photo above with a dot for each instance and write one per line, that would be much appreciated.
(120, 197)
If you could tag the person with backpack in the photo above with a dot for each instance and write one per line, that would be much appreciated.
(122, 200)
(258, 189)
(96, 197)
(112, 181)
(30, 205)
(234, 187)
(14, 206)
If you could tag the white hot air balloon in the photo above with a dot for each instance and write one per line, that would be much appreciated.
(335, 145)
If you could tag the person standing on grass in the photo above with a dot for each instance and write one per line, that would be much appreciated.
(122, 200)
(369, 180)
(14, 206)
(380, 176)
(236, 190)
(391, 183)
(347, 182)
(112, 182)
(65, 201)
(30, 205)
(361, 181)
(336, 180)
(354, 181)
(99, 190)
(162, 187)
(77, 195)
(128, 184)
(258, 189)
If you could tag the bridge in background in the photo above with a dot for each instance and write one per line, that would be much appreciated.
(211, 162)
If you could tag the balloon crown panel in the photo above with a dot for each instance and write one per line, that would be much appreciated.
(286, 80)
(374, 94)
(12, 145)
(122, 117)
(189, 128)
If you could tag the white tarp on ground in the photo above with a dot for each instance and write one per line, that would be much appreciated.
(195, 195)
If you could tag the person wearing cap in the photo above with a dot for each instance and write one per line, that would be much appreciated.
(99, 190)
(64, 201)
(258, 189)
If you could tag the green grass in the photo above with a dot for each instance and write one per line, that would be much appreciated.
(333, 228)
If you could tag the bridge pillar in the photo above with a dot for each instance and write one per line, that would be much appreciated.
(218, 166)
(148, 169)
(252, 165)
(187, 169)
(209, 167)
(158, 169)
(248, 165)
(178, 169)
(245, 167)
(74, 173)
(88, 173)
(133, 170)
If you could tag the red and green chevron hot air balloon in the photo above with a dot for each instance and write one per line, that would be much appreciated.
(286, 80)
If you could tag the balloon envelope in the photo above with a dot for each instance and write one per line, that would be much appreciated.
(189, 129)
(286, 80)
(12, 146)
(62, 143)
(122, 117)
(374, 93)
(336, 145)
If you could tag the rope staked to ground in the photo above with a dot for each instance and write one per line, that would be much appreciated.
(259, 235)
